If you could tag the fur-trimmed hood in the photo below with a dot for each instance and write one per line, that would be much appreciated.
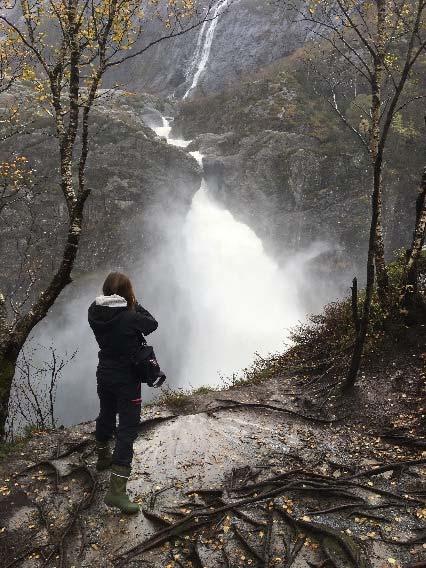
(105, 310)
(113, 301)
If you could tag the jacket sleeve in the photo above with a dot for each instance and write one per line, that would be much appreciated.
(143, 320)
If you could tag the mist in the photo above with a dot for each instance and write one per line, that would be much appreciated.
(220, 300)
(228, 301)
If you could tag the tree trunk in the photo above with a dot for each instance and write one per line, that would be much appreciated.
(418, 235)
(375, 255)
(365, 320)
(379, 245)
(369, 288)
(7, 366)
(12, 342)
(379, 255)
(355, 312)
(8, 360)
(409, 293)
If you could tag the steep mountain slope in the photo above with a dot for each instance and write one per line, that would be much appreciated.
(135, 177)
(248, 35)
(282, 161)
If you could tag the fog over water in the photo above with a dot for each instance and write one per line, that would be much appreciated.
(218, 297)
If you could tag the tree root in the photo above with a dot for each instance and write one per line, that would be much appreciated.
(237, 404)
(369, 516)
(388, 467)
(400, 438)
(390, 494)
(49, 462)
(155, 494)
(57, 543)
(333, 509)
(192, 522)
(247, 546)
(81, 506)
(329, 538)
(417, 540)
(340, 549)
(246, 518)
(157, 519)
(266, 553)
(299, 544)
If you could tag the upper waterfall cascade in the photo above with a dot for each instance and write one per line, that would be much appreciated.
(203, 48)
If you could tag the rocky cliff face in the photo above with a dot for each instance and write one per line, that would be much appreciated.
(135, 178)
(248, 35)
(287, 189)
(285, 164)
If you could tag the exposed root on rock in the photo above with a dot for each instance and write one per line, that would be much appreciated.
(253, 529)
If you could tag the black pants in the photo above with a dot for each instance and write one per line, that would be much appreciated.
(122, 397)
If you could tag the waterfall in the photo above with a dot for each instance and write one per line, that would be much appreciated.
(203, 48)
(233, 299)
(218, 296)
(164, 132)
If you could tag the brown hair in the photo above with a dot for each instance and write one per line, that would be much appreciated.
(118, 283)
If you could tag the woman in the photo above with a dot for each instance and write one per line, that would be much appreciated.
(118, 321)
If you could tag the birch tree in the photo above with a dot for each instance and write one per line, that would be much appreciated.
(376, 45)
(65, 48)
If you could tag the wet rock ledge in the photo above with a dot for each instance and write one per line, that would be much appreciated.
(250, 476)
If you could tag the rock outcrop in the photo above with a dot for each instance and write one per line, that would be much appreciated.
(286, 188)
(213, 471)
(135, 178)
(282, 161)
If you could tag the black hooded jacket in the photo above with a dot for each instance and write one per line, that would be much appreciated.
(119, 333)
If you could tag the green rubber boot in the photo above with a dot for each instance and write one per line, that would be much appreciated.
(116, 495)
(104, 456)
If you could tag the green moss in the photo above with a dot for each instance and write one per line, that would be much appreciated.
(203, 390)
(174, 398)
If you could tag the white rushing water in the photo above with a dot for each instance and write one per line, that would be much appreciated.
(235, 300)
(164, 132)
(204, 45)
(239, 300)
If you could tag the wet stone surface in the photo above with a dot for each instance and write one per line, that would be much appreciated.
(225, 480)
